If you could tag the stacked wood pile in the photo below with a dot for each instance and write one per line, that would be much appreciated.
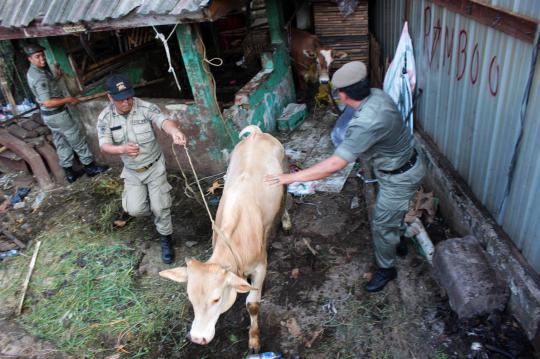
(26, 145)
(349, 34)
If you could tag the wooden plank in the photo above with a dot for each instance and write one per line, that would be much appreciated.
(518, 26)
(4, 85)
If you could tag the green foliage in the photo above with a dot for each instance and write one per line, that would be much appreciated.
(85, 298)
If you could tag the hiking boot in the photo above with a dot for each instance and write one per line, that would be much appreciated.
(93, 169)
(167, 250)
(71, 174)
(401, 248)
(380, 279)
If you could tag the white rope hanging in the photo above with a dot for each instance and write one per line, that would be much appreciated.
(164, 41)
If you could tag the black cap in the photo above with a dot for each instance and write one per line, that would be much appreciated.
(32, 49)
(119, 87)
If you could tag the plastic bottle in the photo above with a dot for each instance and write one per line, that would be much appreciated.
(10, 253)
(266, 355)
(419, 232)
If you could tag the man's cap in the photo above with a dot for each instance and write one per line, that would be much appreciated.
(349, 74)
(32, 49)
(119, 87)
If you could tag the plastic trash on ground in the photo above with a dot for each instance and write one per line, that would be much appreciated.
(19, 195)
(10, 253)
(302, 188)
(38, 200)
(266, 355)
(417, 231)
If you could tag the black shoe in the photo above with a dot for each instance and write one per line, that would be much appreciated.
(380, 279)
(167, 250)
(92, 169)
(401, 248)
(71, 174)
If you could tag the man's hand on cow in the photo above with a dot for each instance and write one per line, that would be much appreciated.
(179, 138)
(276, 180)
(131, 149)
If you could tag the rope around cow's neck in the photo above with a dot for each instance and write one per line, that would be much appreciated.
(214, 226)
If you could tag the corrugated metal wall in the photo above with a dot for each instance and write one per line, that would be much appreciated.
(387, 24)
(474, 80)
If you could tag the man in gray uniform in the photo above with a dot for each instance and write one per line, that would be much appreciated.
(125, 129)
(67, 136)
(377, 134)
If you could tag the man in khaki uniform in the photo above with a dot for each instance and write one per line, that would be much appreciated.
(125, 129)
(67, 136)
(378, 134)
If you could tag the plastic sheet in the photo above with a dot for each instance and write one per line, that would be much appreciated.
(347, 7)
(400, 79)
(340, 128)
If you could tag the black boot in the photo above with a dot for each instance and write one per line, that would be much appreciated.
(167, 250)
(401, 248)
(71, 174)
(92, 169)
(380, 279)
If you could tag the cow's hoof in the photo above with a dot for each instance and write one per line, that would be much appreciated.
(254, 350)
(254, 341)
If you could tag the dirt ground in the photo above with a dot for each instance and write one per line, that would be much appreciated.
(313, 304)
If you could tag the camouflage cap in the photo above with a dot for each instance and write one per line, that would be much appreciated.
(32, 49)
(349, 74)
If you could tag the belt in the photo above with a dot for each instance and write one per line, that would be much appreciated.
(407, 166)
(147, 167)
(53, 112)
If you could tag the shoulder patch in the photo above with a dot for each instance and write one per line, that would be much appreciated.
(153, 108)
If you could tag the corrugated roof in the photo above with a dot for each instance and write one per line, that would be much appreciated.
(20, 13)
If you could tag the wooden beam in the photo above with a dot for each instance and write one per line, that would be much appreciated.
(4, 85)
(518, 26)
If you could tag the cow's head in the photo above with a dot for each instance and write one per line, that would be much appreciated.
(324, 56)
(211, 290)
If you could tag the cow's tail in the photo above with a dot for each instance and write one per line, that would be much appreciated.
(251, 129)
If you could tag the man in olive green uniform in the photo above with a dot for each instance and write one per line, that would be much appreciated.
(67, 136)
(125, 129)
(377, 134)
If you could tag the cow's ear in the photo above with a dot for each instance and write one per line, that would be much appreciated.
(309, 54)
(178, 274)
(240, 284)
(340, 54)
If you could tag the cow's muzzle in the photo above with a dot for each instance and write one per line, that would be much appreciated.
(197, 340)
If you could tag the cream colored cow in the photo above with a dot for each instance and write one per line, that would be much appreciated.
(246, 217)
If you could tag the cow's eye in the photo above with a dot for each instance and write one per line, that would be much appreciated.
(215, 301)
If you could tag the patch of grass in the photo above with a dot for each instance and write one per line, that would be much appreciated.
(85, 299)
(368, 328)
(440, 354)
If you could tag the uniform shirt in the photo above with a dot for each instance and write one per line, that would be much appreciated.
(116, 129)
(43, 85)
(377, 133)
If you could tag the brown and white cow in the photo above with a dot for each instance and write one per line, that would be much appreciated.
(246, 216)
(311, 59)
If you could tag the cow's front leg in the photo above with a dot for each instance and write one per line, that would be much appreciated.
(253, 302)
